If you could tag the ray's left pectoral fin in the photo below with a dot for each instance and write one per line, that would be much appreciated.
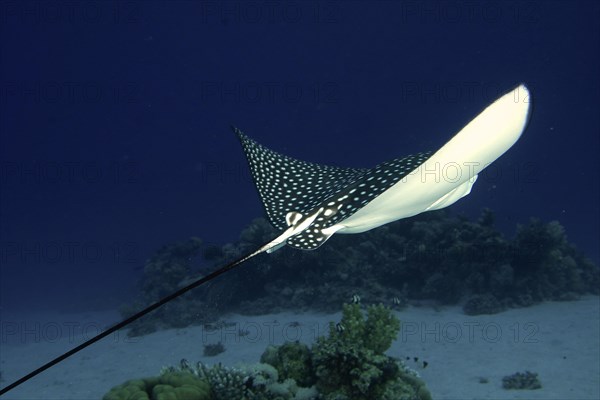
(303, 232)
(313, 237)
(297, 224)
(291, 218)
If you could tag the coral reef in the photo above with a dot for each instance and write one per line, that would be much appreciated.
(293, 360)
(349, 364)
(253, 382)
(432, 256)
(166, 271)
(169, 386)
(168, 267)
(546, 266)
(522, 381)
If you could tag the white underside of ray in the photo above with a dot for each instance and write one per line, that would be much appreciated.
(449, 173)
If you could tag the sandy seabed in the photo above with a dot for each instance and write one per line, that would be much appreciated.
(557, 340)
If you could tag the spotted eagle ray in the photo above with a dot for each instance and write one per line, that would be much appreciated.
(310, 202)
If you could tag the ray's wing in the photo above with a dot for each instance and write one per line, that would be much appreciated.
(285, 184)
(288, 186)
(312, 202)
(354, 196)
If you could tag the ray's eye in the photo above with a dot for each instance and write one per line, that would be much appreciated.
(329, 212)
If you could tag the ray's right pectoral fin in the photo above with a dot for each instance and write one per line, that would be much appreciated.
(454, 195)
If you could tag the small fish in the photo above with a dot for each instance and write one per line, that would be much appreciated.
(339, 327)
(396, 301)
(356, 299)
(185, 364)
(423, 364)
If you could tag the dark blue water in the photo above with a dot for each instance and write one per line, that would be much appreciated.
(115, 119)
